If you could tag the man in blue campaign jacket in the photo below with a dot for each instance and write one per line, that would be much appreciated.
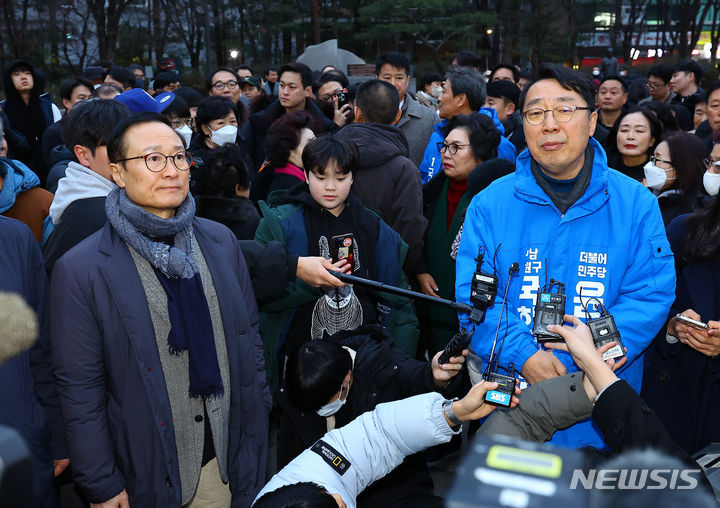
(463, 93)
(565, 215)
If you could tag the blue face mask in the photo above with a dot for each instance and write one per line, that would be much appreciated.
(334, 406)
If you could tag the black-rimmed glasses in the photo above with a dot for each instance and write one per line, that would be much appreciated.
(219, 85)
(655, 160)
(451, 148)
(561, 114)
(156, 161)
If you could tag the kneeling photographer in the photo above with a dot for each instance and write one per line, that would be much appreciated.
(330, 382)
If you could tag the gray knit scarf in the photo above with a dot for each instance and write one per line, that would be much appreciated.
(138, 228)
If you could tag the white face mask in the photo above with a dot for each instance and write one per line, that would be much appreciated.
(655, 177)
(596, 72)
(711, 182)
(186, 133)
(436, 91)
(334, 406)
(224, 135)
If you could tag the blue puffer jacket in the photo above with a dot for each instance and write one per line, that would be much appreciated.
(611, 244)
(432, 162)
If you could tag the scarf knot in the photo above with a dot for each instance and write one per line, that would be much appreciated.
(141, 229)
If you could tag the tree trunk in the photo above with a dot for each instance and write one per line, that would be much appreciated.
(266, 38)
(219, 34)
(315, 13)
(286, 55)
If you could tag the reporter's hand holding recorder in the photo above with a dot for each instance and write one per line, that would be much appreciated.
(579, 343)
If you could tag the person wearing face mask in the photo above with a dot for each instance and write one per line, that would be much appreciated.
(674, 172)
(429, 88)
(682, 373)
(636, 134)
(216, 125)
(284, 143)
(178, 113)
(711, 177)
(332, 381)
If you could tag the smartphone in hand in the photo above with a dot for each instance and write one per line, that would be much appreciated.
(343, 247)
(692, 322)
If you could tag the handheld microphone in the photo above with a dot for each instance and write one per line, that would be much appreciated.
(483, 290)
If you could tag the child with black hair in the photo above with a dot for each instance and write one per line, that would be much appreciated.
(313, 213)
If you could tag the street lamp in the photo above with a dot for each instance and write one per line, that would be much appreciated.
(489, 31)
(234, 54)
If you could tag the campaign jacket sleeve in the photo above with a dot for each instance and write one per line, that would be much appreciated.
(40, 354)
(373, 444)
(519, 343)
(79, 370)
(648, 286)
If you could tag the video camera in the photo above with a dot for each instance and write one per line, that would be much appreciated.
(499, 471)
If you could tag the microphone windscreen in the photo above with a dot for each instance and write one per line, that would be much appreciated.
(18, 326)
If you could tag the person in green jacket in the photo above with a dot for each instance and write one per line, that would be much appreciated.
(469, 141)
(321, 217)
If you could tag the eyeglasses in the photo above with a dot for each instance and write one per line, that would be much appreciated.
(561, 114)
(156, 161)
(219, 85)
(331, 96)
(654, 84)
(180, 122)
(452, 148)
(655, 160)
(712, 162)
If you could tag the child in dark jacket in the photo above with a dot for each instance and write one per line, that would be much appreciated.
(322, 218)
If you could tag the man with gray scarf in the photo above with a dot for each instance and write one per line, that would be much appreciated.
(157, 356)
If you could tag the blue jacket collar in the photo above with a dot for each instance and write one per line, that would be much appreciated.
(596, 194)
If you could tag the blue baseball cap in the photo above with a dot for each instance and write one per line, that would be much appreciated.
(139, 101)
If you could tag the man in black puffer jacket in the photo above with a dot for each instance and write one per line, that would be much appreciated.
(368, 371)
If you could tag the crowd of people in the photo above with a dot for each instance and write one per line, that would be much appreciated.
(181, 250)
